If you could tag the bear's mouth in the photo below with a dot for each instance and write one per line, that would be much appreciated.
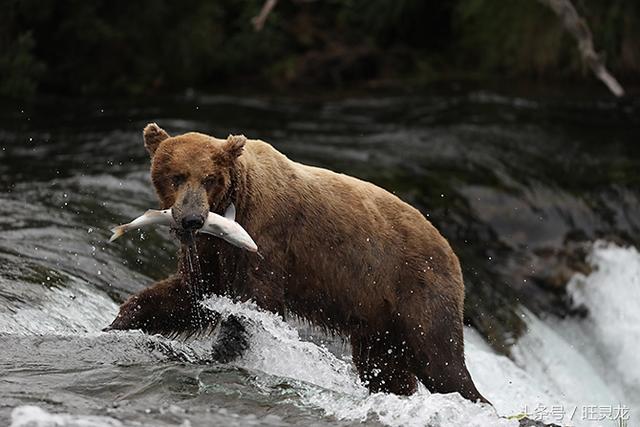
(186, 237)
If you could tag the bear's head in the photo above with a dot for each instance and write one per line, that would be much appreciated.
(192, 173)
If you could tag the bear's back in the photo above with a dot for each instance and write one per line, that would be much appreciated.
(342, 215)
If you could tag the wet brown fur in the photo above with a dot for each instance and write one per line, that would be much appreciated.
(339, 252)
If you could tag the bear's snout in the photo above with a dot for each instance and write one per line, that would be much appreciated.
(191, 208)
(192, 222)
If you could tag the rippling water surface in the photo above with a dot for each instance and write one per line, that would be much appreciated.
(519, 186)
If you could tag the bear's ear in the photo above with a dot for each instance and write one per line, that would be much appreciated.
(153, 136)
(234, 147)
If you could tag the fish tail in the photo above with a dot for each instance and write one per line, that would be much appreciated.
(117, 232)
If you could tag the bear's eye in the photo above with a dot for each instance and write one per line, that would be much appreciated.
(212, 180)
(178, 180)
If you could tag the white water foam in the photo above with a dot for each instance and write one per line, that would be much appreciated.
(276, 349)
(574, 371)
(610, 335)
(74, 308)
(33, 416)
(569, 364)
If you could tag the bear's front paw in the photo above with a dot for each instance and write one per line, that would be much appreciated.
(231, 342)
(131, 316)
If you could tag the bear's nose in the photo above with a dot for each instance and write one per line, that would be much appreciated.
(192, 222)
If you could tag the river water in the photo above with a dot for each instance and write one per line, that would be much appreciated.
(538, 195)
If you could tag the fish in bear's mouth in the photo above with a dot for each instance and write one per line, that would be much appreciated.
(224, 227)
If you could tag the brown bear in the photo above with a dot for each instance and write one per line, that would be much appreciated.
(336, 251)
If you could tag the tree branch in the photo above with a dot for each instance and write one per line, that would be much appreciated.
(259, 20)
(580, 31)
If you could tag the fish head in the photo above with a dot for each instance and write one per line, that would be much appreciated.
(192, 174)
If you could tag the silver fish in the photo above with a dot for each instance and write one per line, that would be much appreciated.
(150, 217)
(224, 227)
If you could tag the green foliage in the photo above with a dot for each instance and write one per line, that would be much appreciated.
(145, 46)
(416, 24)
(519, 36)
(616, 28)
(523, 37)
(19, 69)
(138, 46)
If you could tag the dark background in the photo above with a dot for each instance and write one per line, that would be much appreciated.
(146, 47)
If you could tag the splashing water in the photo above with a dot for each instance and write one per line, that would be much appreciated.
(327, 381)
(67, 174)
(195, 278)
(290, 372)
(32, 416)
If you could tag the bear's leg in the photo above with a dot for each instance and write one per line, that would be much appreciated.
(165, 308)
(382, 364)
(231, 341)
(436, 348)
